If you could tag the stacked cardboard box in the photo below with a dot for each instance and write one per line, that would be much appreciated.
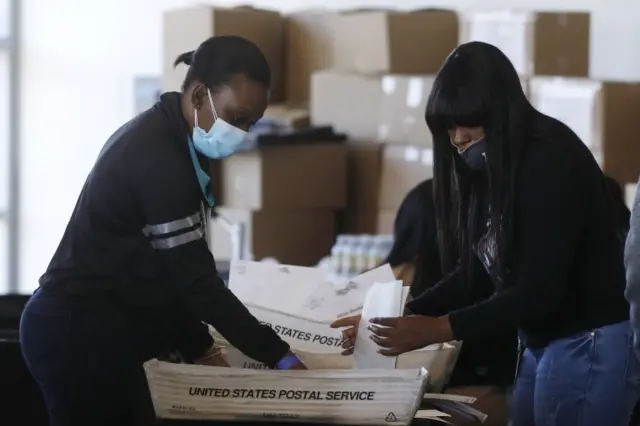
(368, 74)
(185, 29)
(376, 92)
(551, 50)
(286, 197)
(537, 43)
(602, 114)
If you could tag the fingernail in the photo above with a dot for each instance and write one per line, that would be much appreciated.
(373, 319)
(371, 328)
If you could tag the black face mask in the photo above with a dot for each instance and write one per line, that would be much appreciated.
(475, 155)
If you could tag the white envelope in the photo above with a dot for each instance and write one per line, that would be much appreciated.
(384, 300)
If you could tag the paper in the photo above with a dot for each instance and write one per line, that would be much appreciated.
(326, 302)
(383, 300)
(300, 303)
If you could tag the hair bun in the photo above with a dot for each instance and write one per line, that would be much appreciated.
(185, 58)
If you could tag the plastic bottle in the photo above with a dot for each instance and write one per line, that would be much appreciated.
(348, 256)
(337, 253)
(374, 258)
(361, 253)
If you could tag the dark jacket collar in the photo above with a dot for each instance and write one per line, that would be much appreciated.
(171, 105)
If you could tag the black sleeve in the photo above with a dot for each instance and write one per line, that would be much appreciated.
(193, 339)
(548, 222)
(447, 295)
(174, 224)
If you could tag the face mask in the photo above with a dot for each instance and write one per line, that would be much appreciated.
(475, 155)
(222, 140)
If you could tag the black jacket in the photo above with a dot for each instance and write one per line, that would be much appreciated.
(138, 236)
(490, 361)
(568, 273)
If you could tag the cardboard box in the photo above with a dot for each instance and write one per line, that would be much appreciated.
(371, 222)
(381, 41)
(194, 392)
(603, 114)
(310, 46)
(185, 29)
(287, 118)
(286, 177)
(303, 317)
(364, 172)
(384, 109)
(403, 167)
(537, 43)
(299, 237)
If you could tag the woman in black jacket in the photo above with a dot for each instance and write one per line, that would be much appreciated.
(520, 192)
(133, 276)
(485, 367)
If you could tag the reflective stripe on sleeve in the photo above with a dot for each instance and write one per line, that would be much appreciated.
(175, 233)
(178, 240)
(173, 226)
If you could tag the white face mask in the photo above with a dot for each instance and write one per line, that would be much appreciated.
(221, 141)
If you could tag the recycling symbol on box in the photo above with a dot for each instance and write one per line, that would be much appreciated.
(391, 418)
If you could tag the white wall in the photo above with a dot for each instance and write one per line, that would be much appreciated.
(79, 59)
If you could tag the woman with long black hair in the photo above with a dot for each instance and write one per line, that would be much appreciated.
(485, 367)
(521, 193)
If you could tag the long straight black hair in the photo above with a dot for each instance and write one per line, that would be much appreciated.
(477, 86)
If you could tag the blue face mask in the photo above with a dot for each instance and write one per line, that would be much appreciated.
(222, 140)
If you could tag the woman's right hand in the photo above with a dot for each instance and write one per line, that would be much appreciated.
(348, 335)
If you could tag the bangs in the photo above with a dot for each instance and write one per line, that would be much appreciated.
(457, 100)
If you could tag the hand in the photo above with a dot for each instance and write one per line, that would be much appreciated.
(298, 365)
(348, 335)
(405, 334)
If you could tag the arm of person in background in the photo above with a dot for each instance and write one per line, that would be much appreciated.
(177, 235)
(632, 265)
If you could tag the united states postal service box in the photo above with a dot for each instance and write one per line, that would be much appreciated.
(350, 397)
(537, 43)
(439, 360)
(299, 304)
(603, 114)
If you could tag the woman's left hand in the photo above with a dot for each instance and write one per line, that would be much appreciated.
(396, 336)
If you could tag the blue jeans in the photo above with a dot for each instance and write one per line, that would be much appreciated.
(590, 379)
(86, 363)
